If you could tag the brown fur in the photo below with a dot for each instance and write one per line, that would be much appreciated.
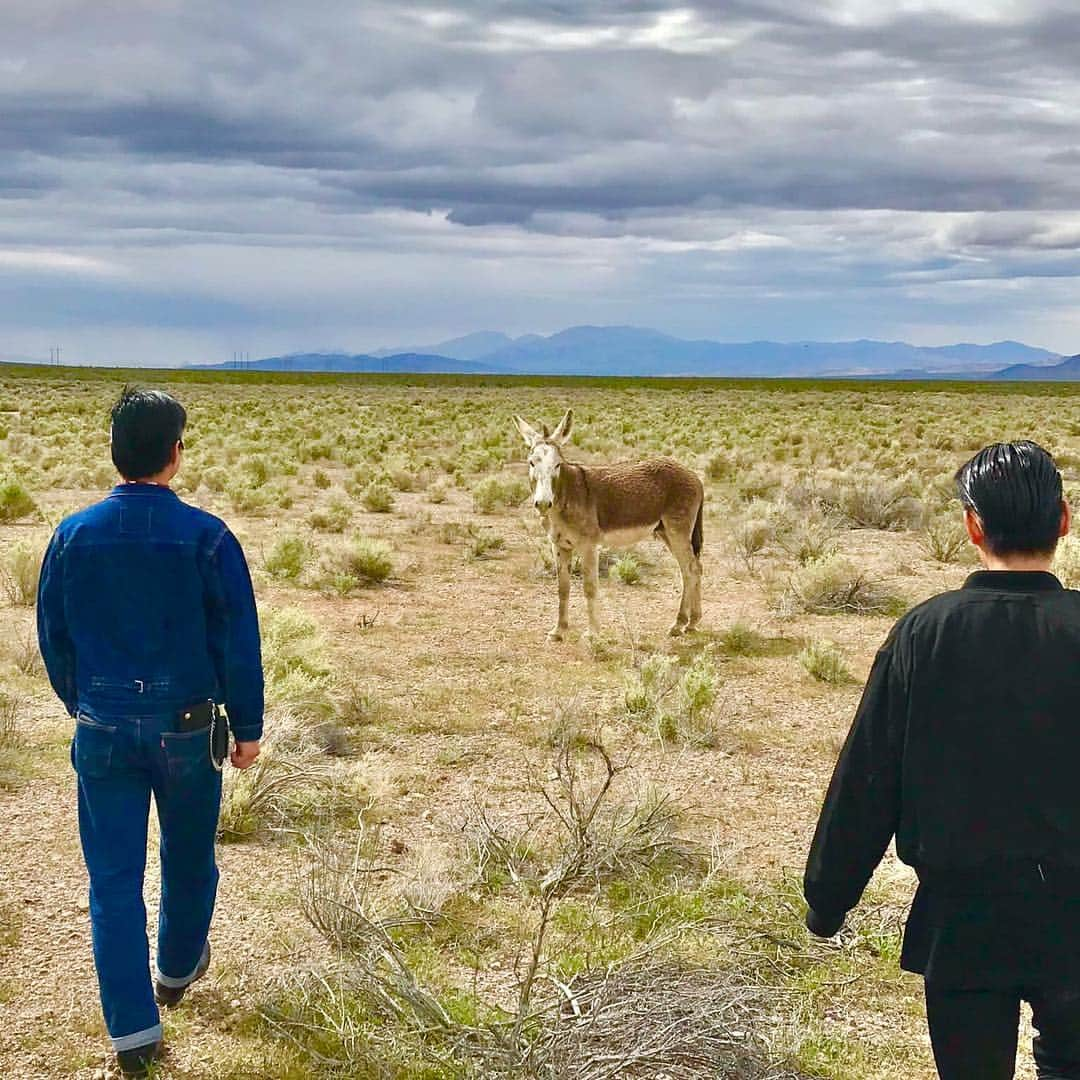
(585, 506)
(600, 499)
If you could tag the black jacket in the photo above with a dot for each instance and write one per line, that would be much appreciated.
(966, 747)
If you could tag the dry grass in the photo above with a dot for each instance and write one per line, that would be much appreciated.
(403, 708)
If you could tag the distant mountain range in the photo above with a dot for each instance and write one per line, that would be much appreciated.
(1068, 369)
(398, 362)
(641, 352)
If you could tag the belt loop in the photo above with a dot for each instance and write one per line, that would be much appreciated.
(140, 686)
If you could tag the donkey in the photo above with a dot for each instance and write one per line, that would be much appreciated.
(585, 506)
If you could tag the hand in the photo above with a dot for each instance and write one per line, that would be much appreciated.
(244, 754)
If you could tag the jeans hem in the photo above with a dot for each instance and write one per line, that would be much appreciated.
(179, 984)
(146, 1037)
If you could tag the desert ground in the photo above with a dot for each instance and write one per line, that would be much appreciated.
(468, 851)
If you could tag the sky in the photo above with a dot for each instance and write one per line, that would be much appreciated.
(181, 180)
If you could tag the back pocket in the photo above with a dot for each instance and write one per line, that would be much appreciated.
(187, 753)
(92, 748)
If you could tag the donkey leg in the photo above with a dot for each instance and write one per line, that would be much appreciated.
(678, 542)
(562, 557)
(695, 595)
(590, 565)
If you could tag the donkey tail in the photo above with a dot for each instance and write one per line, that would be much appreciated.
(697, 537)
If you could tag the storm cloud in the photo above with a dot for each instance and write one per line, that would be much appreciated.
(185, 178)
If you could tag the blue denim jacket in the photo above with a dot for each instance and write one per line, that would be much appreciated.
(145, 606)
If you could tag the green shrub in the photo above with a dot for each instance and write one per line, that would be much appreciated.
(334, 517)
(350, 566)
(627, 569)
(216, 478)
(676, 703)
(402, 479)
(698, 688)
(288, 557)
(371, 560)
(740, 639)
(248, 500)
(824, 661)
(291, 642)
(258, 472)
(378, 498)
(15, 501)
(320, 479)
(483, 545)
(499, 491)
(721, 466)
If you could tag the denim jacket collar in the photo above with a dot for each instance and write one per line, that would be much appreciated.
(142, 489)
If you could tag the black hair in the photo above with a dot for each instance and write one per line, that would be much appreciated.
(1015, 488)
(146, 425)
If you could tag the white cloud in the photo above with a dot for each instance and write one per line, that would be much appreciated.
(57, 262)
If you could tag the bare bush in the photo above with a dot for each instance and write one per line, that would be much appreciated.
(653, 1018)
(749, 537)
(290, 782)
(10, 708)
(812, 536)
(590, 1027)
(871, 502)
(19, 571)
(944, 540)
(1067, 562)
(835, 586)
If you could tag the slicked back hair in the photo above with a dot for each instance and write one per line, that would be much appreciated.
(1015, 489)
(146, 425)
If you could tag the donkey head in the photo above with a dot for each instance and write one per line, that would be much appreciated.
(545, 457)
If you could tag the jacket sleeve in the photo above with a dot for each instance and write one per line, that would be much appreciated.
(233, 635)
(862, 805)
(57, 648)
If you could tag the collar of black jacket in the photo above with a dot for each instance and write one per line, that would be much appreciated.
(136, 488)
(1013, 581)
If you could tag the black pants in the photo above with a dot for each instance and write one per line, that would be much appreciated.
(975, 1032)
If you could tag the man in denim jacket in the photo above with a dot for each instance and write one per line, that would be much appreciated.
(145, 608)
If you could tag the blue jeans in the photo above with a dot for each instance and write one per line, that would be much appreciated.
(120, 760)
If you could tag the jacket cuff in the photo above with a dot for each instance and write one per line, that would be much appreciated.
(247, 732)
(824, 924)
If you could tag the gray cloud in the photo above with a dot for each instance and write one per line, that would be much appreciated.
(596, 153)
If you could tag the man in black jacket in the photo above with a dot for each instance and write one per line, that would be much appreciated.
(966, 747)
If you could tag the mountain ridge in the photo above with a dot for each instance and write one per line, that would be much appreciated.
(644, 352)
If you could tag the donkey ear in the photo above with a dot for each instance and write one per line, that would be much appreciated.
(528, 432)
(562, 433)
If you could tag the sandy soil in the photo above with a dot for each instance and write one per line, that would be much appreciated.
(469, 683)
